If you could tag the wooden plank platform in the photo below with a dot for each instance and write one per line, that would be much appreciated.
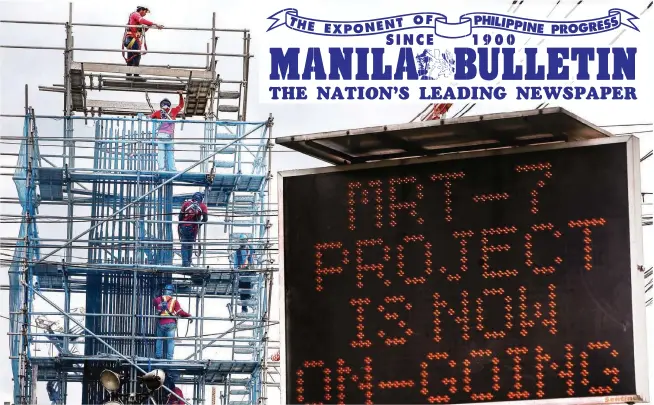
(229, 95)
(197, 97)
(429, 138)
(228, 108)
(215, 371)
(144, 71)
(199, 87)
(198, 90)
(118, 107)
(150, 85)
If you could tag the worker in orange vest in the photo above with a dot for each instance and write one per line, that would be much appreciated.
(169, 309)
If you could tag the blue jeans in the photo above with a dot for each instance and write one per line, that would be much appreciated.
(166, 330)
(165, 155)
(133, 58)
(187, 236)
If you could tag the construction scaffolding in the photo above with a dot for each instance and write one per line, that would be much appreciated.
(98, 232)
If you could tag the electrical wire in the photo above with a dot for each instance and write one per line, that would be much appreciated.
(33, 326)
(54, 219)
(633, 132)
(111, 266)
(241, 329)
(624, 125)
(115, 267)
(614, 39)
(468, 106)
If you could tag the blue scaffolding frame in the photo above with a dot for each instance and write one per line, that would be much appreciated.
(131, 252)
(27, 250)
(120, 213)
(115, 244)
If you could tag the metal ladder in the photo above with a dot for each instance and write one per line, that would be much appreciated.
(241, 392)
(246, 209)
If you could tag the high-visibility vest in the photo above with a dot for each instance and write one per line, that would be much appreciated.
(170, 307)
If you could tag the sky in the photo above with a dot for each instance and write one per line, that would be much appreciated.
(45, 67)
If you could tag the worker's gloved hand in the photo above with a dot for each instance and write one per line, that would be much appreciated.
(190, 321)
(159, 26)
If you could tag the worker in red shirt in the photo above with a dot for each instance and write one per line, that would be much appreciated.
(169, 309)
(166, 132)
(192, 214)
(134, 37)
(173, 400)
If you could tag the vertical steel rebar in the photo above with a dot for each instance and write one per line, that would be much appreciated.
(68, 123)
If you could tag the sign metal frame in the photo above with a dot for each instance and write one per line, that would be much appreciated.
(635, 243)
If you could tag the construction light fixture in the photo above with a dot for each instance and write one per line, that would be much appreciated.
(110, 381)
(154, 379)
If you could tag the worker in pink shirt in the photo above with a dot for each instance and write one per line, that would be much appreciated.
(134, 38)
(169, 309)
(166, 131)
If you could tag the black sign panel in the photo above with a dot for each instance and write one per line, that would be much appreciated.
(491, 278)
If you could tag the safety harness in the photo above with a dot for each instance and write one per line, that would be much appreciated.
(192, 212)
(165, 115)
(140, 37)
(169, 309)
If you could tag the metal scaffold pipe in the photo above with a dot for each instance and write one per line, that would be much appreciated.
(206, 318)
(144, 338)
(123, 26)
(129, 204)
(218, 123)
(107, 345)
(61, 48)
(145, 195)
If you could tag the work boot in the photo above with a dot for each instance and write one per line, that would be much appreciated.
(138, 78)
(244, 309)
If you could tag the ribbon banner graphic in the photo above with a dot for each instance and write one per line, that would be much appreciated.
(614, 19)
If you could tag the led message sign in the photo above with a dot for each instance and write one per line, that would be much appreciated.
(459, 280)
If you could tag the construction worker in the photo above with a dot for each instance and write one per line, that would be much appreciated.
(54, 394)
(192, 214)
(166, 132)
(134, 38)
(243, 261)
(169, 309)
(173, 400)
